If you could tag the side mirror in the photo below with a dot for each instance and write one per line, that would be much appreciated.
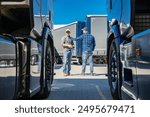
(113, 22)
(126, 30)
(34, 33)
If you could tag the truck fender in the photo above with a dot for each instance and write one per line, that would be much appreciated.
(114, 33)
(47, 36)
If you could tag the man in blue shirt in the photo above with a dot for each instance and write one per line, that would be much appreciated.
(88, 46)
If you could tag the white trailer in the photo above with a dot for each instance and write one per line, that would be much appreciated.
(97, 26)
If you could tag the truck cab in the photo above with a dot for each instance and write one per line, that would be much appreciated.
(26, 48)
(128, 48)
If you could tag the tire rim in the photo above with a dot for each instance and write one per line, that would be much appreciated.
(113, 70)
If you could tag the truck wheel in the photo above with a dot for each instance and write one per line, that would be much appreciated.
(114, 72)
(48, 72)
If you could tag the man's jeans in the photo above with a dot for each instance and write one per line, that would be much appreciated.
(85, 57)
(67, 61)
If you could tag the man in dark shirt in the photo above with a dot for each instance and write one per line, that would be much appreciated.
(88, 46)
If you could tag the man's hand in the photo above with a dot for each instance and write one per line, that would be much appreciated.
(69, 46)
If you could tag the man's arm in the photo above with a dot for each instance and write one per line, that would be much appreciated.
(67, 46)
(64, 45)
(79, 38)
(94, 43)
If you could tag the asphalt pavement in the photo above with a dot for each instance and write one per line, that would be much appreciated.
(77, 87)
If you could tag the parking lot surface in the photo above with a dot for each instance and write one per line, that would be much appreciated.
(78, 87)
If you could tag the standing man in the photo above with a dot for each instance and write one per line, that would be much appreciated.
(68, 45)
(88, 46)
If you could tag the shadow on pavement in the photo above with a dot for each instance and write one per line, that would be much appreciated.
(58, 66)
(87, 74)
(80, 89)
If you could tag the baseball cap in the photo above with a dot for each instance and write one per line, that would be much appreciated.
(68, 31)
(85, 28)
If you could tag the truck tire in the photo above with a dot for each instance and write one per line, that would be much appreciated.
(114, 71)
(48, 68)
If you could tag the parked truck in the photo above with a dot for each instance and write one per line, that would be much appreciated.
(26, 48)
(58, 33)
(97, 26)
(128, 48)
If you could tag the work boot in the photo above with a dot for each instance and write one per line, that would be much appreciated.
(92, 74)
(82, 74)
(65, 74)
(69, 74)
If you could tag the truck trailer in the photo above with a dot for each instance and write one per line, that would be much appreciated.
(26, 48)
(97, 26)
(128, 48)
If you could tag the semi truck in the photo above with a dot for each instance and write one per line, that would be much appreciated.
(97, 26)
(58, 33)
(26, 48)
(128, 49)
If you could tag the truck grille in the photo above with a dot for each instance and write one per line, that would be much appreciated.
(142, 22)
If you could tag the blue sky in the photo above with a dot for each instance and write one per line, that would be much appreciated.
(67, 11)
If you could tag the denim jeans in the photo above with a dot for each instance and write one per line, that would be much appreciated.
(67, 61)
(85, 57)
